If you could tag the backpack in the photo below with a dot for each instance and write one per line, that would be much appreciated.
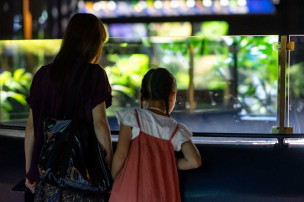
(73, 158)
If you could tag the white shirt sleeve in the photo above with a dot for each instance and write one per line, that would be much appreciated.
(127, 117)
(152, 126)
(182, 135)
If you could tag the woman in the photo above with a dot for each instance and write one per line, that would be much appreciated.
(51, 92)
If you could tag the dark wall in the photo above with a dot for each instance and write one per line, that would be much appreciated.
(245, 173)
(289, 19)
(7, 9)
(229, 172)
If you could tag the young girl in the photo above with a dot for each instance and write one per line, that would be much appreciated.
(144, 166)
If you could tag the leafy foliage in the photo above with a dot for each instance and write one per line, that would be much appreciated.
(127, 72)
(14, 89)
(214, 67)
(257, 72)
(213, 58)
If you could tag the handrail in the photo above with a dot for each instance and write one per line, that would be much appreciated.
(241, 135)
(201, 134)
(2, 126)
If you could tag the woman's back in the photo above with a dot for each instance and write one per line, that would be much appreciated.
(85, 85)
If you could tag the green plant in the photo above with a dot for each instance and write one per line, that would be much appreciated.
(126, 74)
(216, 60)
(257, 73)
(297, 81)
(14, 89)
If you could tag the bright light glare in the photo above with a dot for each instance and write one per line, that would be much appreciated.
(242, 2)
(158, 4)
(137, 8)
(190, 3)
(81, 4)
(43, 17)
(143, 4)
(174, 4)
(97, 6)
(112, 5)
(224, 2)
(140, 6)
(207, 3)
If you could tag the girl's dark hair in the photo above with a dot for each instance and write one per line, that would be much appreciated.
(83, 39)
(157, 84)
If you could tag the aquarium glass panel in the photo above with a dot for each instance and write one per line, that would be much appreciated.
(295, 85)
(225, 84)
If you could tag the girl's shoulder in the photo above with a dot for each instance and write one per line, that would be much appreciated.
(127, 117)
(125, 113)
(129, 113)
(184, 131)
(183, 134)
(145, 116)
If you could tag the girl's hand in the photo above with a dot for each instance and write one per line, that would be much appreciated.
(31, 185)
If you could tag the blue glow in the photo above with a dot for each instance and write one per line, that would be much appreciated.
(260, 6)
(231, 7)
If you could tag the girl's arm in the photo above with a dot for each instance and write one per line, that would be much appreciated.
(192, 158)
(122, 149)
(29, 140)
(102, 129)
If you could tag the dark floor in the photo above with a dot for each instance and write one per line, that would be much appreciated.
(11, 165)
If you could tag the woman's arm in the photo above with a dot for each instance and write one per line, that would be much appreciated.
(192, 158)
(102, 129)
(122, 149)
(29, 140)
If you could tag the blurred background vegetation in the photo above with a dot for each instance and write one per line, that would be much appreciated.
(228, 72)
(213, 71)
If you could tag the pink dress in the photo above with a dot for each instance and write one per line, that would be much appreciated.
(149, 173)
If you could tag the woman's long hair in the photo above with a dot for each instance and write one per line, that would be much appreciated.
(83, 39)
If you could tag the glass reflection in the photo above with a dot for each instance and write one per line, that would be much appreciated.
(225, 84)
(295, 110)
